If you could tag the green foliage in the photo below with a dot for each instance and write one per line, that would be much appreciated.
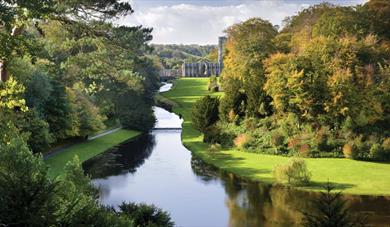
(27, 195)
(145, 215)
(378, 12)
(331, 209)
(59, 114)
(341, 21)
(295, 172)
(188, 90)
(30, 197)
(205, 112)
(249, 42)
(40, 137)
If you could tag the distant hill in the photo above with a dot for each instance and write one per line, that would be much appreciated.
(172, 56)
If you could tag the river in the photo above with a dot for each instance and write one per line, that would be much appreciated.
(156, 168)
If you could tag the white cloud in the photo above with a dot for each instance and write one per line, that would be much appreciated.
(188, 24)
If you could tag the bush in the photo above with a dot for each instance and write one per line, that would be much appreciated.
(386, 145)
(214, 134)
(242, 140)
(295, 172)
(380, 152)
(215, 147)
(357, 149)
(205, 112)
(347, 150)
(277, 139)
(213, 84)
(377, 153)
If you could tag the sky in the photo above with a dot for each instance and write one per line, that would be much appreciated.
(202, 21)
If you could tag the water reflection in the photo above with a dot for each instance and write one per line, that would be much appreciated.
(125, 158)
(156, 168)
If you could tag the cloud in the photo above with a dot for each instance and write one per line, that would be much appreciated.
(202, 24)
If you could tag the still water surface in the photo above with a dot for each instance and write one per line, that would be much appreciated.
(157, 169)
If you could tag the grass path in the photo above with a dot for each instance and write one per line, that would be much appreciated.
(353, 177)
(87, 149)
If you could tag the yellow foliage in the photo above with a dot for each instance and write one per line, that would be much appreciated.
(11, 96)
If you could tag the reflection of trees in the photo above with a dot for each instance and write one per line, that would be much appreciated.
(126, 157)
(203, 170)
(254, 204)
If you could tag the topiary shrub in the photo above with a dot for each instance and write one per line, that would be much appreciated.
(295, 172)
(205, 112)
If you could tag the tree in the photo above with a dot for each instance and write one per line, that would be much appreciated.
(205, 112)
(26, 194)
(146, 215)
(16, 15)
(379, 11)
(248, 44)
(341, 21)
(30, 197)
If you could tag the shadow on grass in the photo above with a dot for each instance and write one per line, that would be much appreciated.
(228, 163)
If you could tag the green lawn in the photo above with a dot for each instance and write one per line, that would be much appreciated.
(87, 150)
(353, 177)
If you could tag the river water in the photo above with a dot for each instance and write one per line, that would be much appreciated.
(156, 168)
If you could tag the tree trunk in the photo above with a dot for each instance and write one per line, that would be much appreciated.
(3, 71)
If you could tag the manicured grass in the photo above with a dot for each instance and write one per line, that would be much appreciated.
(87, 150)
(353, 177)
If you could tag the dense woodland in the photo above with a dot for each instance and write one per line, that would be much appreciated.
(67, 72)
(319, 87)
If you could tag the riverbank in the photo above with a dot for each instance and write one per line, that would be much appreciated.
(87, 149)
(350, 176)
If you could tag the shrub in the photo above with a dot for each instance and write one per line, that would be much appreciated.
(377, 153)
(386, 144)
(215, 147)
(205, 112)
(250, 124)
(304, 150)
(295, 172)
(347, 150)
(214, 134)
(242, 140)
(213, 84)
(357, 149)
(277, 139)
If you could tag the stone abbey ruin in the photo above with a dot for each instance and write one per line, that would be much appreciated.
(205, 68)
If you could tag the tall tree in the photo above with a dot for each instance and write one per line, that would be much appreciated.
(19, 14)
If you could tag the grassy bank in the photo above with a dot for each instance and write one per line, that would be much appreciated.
(87, 149)
(354, 177)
